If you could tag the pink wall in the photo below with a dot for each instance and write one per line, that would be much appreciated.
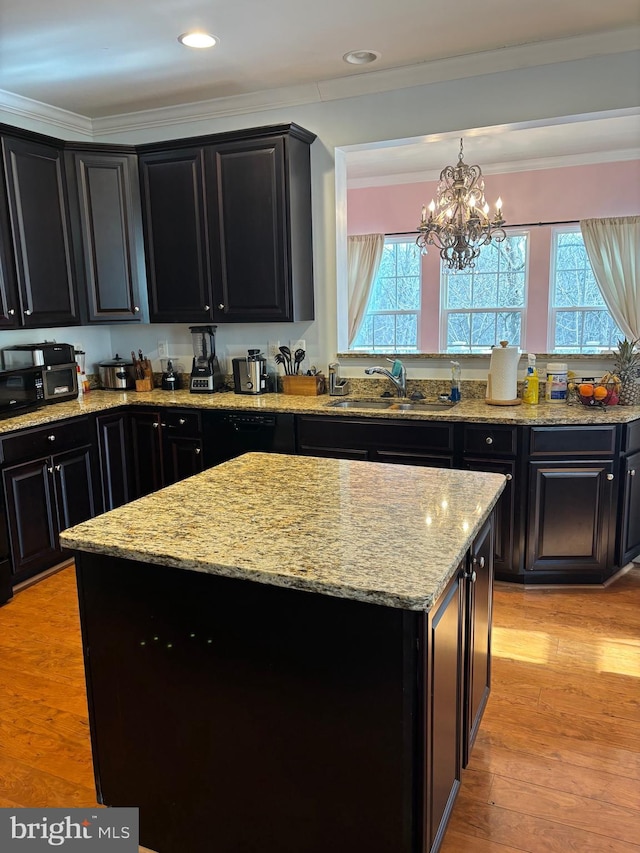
(570, 193)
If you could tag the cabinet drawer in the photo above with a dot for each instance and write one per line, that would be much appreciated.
(577, 441)
(375, 435)
(31, 443)
(490, 440)
(182, 422)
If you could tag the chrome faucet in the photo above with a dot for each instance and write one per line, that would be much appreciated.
(400, 381)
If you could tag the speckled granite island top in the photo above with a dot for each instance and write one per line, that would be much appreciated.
(386, 534)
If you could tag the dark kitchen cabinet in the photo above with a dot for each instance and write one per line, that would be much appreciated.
(114, 449)
(107, 234)
(44, 497)
(174, 211)
(377, 440)
(227, 226)
(166, 447)
(628, 539)
(260, 194)
(9, 299)
(39, 218)
(479, 606)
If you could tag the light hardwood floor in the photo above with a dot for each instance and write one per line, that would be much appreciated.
(555, 769)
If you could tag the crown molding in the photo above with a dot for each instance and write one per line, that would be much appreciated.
(29, 111)
(372, 82)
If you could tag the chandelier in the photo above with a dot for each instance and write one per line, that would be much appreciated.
(458, 224)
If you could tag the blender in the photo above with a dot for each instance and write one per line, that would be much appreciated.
(206, 376)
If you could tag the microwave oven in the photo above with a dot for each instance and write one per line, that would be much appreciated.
(28, 387)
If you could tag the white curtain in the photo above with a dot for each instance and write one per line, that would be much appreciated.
(613, 247)
(364, 253)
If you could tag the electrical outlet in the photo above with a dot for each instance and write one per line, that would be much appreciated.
(273, 348)
(163, 349)
(299, 344)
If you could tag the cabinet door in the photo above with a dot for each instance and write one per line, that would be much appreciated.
(630, 537)
(479, 603)
(444, 696)
(115, 459)
(106, 208)
(176, 239)
(9, 301)
(507, 513)
(41, 241)
(569, 517)
(182, 457)
(250, 282)
(147, 460)
(31, 517)
(74, 487)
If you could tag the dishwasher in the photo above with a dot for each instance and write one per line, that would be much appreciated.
(227, 434)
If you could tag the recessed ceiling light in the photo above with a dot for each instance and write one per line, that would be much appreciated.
(361, 57)
(198, 39)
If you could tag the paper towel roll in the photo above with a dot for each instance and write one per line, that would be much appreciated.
(503, 373)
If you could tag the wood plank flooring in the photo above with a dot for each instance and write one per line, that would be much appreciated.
(555, 768)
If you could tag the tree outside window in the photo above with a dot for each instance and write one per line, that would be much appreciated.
(486, 304)
(391, 320)
(579, 318)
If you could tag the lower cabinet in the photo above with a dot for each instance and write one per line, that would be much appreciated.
(628, 538)
(114, 442)
(44, 497)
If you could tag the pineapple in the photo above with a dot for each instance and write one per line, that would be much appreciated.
(627, 366)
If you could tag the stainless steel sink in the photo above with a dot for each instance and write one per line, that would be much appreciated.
(393, 405)
(360, 404)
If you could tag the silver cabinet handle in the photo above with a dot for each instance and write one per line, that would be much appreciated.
(609, 476)
(28, 312)
(51, 437)
(632, 472)
(136, 309)
(221, 305)
(198, 450)
(508, 476)
(11, 312)
(489, 440)
(182, 421)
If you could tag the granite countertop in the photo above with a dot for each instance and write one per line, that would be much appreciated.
(467, 410)
(319, 525)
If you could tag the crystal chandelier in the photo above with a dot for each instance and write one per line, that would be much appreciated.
(461, 225)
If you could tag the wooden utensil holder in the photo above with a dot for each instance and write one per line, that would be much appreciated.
(145, 384)
(304, 386)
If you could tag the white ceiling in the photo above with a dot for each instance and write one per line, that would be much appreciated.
(100, 58)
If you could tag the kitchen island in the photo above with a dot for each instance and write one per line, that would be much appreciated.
(289, 654)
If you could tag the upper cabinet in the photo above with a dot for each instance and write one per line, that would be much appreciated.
(38, 214)
(227, 225)
(9, 300)
(107, 234)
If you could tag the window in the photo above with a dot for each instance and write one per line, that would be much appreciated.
(486, 304)
(390, 323)
(579, 318)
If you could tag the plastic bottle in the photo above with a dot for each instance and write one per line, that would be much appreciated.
(455, 382)
(556, 388)
(531, 393)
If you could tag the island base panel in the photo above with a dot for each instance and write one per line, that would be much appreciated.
(242, 717)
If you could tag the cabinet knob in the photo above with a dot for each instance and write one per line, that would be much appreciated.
(28, 312)
(57, 467)
(136, 309)
(489, 440)
(478, 562)
(11, 312)
(609, 476)
(207, 307)
(198, 450)
(161, 424)
(471, 576)
(221, 305)
(632, 472)
(155, 424)
(182, 421)
(508, 476)
(51, 437)
(50, 469)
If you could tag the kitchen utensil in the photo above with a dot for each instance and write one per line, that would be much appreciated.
(206, 376)
(298, 358)
(286, 352)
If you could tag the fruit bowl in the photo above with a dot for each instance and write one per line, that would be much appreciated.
(597, 393)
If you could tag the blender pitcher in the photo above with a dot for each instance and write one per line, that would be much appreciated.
(206, 376)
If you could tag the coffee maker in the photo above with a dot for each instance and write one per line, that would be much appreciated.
(250, 373)
(206, 376)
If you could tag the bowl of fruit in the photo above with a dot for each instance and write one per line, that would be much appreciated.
(604, 392)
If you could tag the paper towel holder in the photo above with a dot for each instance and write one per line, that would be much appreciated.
(490, 401)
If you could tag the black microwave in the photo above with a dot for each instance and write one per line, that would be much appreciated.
(28, 387)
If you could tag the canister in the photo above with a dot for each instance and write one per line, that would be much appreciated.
(556, 390)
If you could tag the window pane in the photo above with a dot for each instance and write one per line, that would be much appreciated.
(384, 330)
(483, 330)
(568, 289)
(508, 327)
(568, 329)
(511, 287)
(406, 331)
(364, 338)
(384, 297)
(485, 290)
(408, 293)
(458, 332)
(388, 261)
(459, 291)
